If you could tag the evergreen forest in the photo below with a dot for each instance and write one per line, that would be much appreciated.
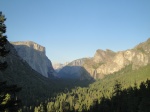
(124, 91)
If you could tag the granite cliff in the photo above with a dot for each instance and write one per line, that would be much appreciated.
(106, 62)
(109, 62)
(19, 72)
(34, 54)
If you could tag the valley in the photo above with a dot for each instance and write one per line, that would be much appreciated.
(107, 81)
(74, 88)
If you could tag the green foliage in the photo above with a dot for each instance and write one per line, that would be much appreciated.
(98, 96)
(132, 99)
(9, 102)
(117, 89)
(3, 42)
(105, 95)
(8, 99)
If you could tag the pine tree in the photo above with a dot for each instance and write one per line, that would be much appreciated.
(8, 99)
(3, 42)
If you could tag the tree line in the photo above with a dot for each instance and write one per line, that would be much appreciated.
(132, 99)
(97, 97)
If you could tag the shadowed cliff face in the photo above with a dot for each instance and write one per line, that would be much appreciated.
(34, 85)
(34, 55)
(108, 62)
(75, 70)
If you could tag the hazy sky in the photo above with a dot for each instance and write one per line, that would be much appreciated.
(72, 29)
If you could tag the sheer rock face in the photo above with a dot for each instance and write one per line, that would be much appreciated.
(108, 62)
(122, 59)
(18, 69)
(18, 72)
(34, 55)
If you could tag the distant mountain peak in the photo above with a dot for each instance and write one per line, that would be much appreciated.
(107, 62)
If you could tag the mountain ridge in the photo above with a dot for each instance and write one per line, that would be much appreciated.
(74, 67)
(107, 62)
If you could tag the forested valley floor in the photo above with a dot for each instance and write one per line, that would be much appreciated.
(123, 91)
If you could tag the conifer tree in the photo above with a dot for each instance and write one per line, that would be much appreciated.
(8, 100)
(3, 42)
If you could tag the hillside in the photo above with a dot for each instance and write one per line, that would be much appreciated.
(20, 73)
(35, 87)
(87, 99)
(74, 70)
(109, 62)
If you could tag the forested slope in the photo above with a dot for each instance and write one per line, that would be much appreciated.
(83, 99)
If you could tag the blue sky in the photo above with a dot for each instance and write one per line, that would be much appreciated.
(72, 29)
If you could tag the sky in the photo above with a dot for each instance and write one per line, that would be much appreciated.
(73, 29)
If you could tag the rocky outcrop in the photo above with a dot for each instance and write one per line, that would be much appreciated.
(102, 56)
(107, 62)
(34, 55)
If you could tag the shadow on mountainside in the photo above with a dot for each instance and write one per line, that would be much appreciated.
(71, 77)
(74, 72)
(35, 87)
